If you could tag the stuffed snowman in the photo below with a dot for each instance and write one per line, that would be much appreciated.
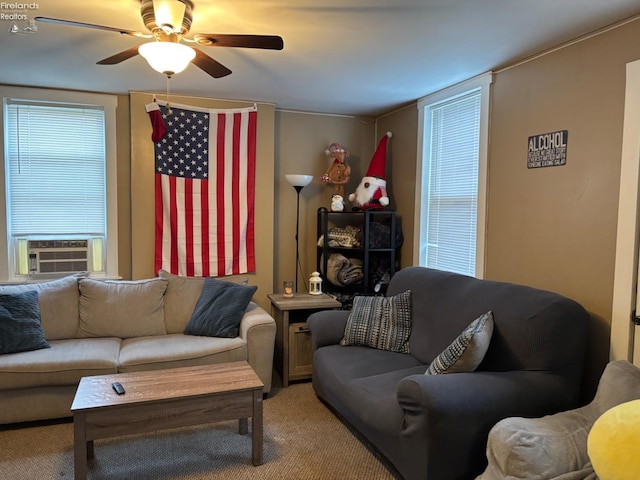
(337, 203)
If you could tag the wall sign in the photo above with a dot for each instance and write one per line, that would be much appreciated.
(548, 149)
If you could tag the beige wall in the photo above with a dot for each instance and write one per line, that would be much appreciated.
(555, 227)
(298, 140)
(142, 190)
(401, 171)
(552, 228)
(301, 140)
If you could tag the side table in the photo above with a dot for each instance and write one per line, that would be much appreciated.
(292, 357)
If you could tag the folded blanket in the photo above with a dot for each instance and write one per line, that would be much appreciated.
(342, 271)
(335, 264)
(352, 273)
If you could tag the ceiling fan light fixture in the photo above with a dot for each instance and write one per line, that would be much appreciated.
(167, 57)
(169, 12)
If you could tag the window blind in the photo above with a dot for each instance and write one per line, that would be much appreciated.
(56, 183)
(452, 195)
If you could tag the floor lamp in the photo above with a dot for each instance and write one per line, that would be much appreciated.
(298, 182)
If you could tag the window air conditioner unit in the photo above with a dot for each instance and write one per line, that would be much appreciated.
(53, 257)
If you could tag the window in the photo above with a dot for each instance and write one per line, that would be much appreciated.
(58, 171)
(450, 214)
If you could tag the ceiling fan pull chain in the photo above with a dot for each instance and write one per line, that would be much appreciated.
(169, 94)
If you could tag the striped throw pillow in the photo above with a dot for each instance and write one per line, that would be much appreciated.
(467, 351)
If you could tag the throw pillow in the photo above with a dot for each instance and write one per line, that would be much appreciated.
(219, 309)
(467, 351)
(380, 322)
(612, 443)
(121, 308)
(20, 328)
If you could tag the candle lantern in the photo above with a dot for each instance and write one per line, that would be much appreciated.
(315, 284)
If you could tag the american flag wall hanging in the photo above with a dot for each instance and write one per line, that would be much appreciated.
(205, 191)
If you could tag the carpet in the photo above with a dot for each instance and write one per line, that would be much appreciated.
(303, 440)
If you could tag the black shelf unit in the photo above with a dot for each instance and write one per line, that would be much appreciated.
(370, 255)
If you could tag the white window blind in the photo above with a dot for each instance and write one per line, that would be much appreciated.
(55, 169)
(452, 190)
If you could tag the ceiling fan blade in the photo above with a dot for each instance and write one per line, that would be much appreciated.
(91, 25)
(268, 42)
(120, 57)
(209, 65)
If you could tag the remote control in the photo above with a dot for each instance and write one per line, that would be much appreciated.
(117, 386)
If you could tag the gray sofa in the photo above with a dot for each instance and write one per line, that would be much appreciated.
(96, 328)
(435, 427)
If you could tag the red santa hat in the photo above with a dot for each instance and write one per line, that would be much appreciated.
(378, 163)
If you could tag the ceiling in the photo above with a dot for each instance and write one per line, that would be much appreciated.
(354, 57)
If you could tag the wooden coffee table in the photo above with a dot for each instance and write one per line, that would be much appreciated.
(162, 399)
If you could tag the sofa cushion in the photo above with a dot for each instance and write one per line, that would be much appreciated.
(361, 384)
(380, 322)
(65, 363)
(180, 300)
(58, 303)
(467, 351)
(20, 329)
(340, 366)
(219, 309)
(122, 308)
(178, 350)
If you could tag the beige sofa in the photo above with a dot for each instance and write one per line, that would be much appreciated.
(96, 328)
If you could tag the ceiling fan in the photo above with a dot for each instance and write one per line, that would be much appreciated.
(168, 21)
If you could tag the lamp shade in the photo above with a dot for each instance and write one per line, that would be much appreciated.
(167, 57)
(297, 180)
(169, 12)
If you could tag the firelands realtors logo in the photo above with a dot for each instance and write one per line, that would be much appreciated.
(18, 16)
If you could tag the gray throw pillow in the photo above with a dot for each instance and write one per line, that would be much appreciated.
(219, 309)
(380, 322)
(467, 351)
(20, 328)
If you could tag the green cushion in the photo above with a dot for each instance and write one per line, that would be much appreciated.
(20, 328)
